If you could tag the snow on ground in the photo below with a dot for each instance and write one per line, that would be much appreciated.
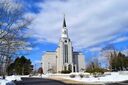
(44, 76)
(108, 78)
(13, 77)
(9, 80)
(114, 77)
(6, 82)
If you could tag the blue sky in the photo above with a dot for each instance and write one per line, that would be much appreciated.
(92, 25)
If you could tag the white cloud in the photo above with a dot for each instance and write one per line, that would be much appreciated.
(89, 22)
(95, 49)
(125, 51)
(37, 61)
(29, 48)
(121, 39)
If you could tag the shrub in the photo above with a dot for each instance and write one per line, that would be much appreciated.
(86, 76)
(72, 76)
(65, 71)
(95, 71)
(81, 75)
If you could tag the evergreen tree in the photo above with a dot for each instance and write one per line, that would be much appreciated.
(119, 62)
(21, 66)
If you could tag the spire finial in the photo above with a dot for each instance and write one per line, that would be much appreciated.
(64, 22)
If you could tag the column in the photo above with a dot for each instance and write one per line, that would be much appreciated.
(75, 68)
(72, 68)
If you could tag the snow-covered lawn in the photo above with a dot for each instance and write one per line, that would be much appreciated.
(13, 77)
(9, 80)
(114, 77)
(108, 77)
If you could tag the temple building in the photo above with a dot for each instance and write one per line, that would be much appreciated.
(64, 58)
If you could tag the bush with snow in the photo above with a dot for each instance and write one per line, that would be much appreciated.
(81, 75)
(72, 75)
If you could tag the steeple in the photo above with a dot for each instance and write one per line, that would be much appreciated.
(64, 29)
(64, 22)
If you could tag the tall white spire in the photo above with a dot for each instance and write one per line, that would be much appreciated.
(64, 29)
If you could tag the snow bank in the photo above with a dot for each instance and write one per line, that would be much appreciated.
(44, 76)
(113, 77)
(6, 82)
(13, 77)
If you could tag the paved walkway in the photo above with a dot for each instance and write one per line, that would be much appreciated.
(38, 81)
(57, 81)
(42, 81)
(67, 81)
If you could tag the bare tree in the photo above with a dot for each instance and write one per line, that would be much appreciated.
(94, 67)
(109, 52)
(13, 25)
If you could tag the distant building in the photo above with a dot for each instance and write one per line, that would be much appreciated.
(64, 58)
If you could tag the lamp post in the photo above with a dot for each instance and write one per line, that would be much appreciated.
(42, 67)
(48, 67)
(56, 64)
(35, 69)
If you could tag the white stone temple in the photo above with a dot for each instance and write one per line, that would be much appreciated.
(64, 58)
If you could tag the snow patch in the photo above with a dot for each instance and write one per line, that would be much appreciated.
(13, 78)
(6, 82)
(111, 78)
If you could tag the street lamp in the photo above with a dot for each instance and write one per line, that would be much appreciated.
(56, 64)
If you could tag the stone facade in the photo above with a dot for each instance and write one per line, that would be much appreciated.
(63, 58)
(49, 62)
